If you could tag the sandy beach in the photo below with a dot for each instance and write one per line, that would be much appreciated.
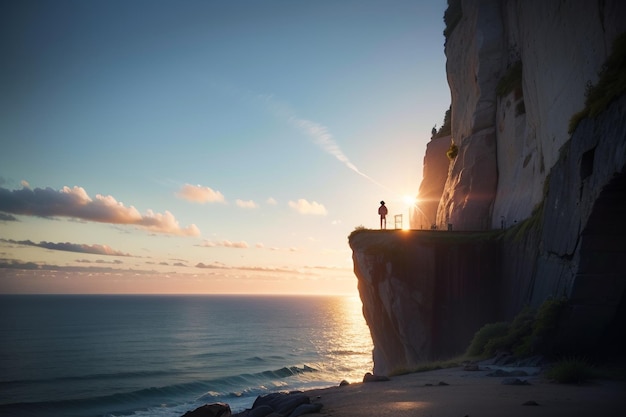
(456, 392)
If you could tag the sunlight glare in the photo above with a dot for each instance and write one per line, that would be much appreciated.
(409, 200)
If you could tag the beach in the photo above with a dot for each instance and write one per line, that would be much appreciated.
(456, 392)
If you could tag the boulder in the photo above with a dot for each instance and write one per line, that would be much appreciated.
(210, 410)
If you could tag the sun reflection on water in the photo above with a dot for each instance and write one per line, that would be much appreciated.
(348, 344)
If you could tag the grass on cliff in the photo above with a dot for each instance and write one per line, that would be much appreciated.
(446, 128)
(393, 240)
(452, 151)
(611, 84)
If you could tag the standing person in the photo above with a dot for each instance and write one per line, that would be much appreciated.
(382, 210)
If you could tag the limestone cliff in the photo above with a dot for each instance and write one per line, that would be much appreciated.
(518, 71)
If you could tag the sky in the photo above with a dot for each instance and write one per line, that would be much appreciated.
(153, 146)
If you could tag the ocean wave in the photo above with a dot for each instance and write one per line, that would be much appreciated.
(211, 390)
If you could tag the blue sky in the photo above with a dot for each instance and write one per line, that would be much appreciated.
(208, 146)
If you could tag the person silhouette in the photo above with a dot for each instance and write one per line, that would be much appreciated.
(382, 210)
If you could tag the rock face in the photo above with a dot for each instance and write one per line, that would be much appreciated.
(424, 295)
(435, 173)
(508, 144)
(559, 195)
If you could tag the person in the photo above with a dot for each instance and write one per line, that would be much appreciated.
(382, 210)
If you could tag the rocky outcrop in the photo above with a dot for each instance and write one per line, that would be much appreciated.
(289, 404)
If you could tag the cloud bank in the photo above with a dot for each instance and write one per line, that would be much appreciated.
(70, 247)
(76, 203)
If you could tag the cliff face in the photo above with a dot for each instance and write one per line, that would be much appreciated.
(436, 165)
(508, 143)
(560, 195)
(424, 293)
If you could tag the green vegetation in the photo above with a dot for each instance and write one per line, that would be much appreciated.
(611, 84)
(571, 371)
(484, 335)
(530, 333)
(452, 151)
(511, 81)
(515, 336)
(533, 223)
(452, 16)
(446, 128)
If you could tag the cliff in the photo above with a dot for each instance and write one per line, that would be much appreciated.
(424, 293)
(518, 72)
(510, 139)
(436, 164)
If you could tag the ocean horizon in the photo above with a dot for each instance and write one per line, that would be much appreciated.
(163, 355)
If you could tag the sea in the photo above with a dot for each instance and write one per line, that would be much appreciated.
(129, 355)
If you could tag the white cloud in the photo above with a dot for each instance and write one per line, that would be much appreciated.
(76, 203)
(271, 201)
(246, 204)
(319, 133)
(302, 206)
(200, 194)
(225, 243)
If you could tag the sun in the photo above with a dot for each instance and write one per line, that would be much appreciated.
(409, 200)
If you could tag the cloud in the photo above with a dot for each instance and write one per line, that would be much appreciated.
(200, 194)
(16, 264)
(302, 206)
(76, 203)
(70, 247)
(167, 223)
(246, 204)
(225, 244)
(268, 269)
(292, 249)
(100, 261)
(219, 265)
(214, 265)
(271, 201)
(319, 133)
